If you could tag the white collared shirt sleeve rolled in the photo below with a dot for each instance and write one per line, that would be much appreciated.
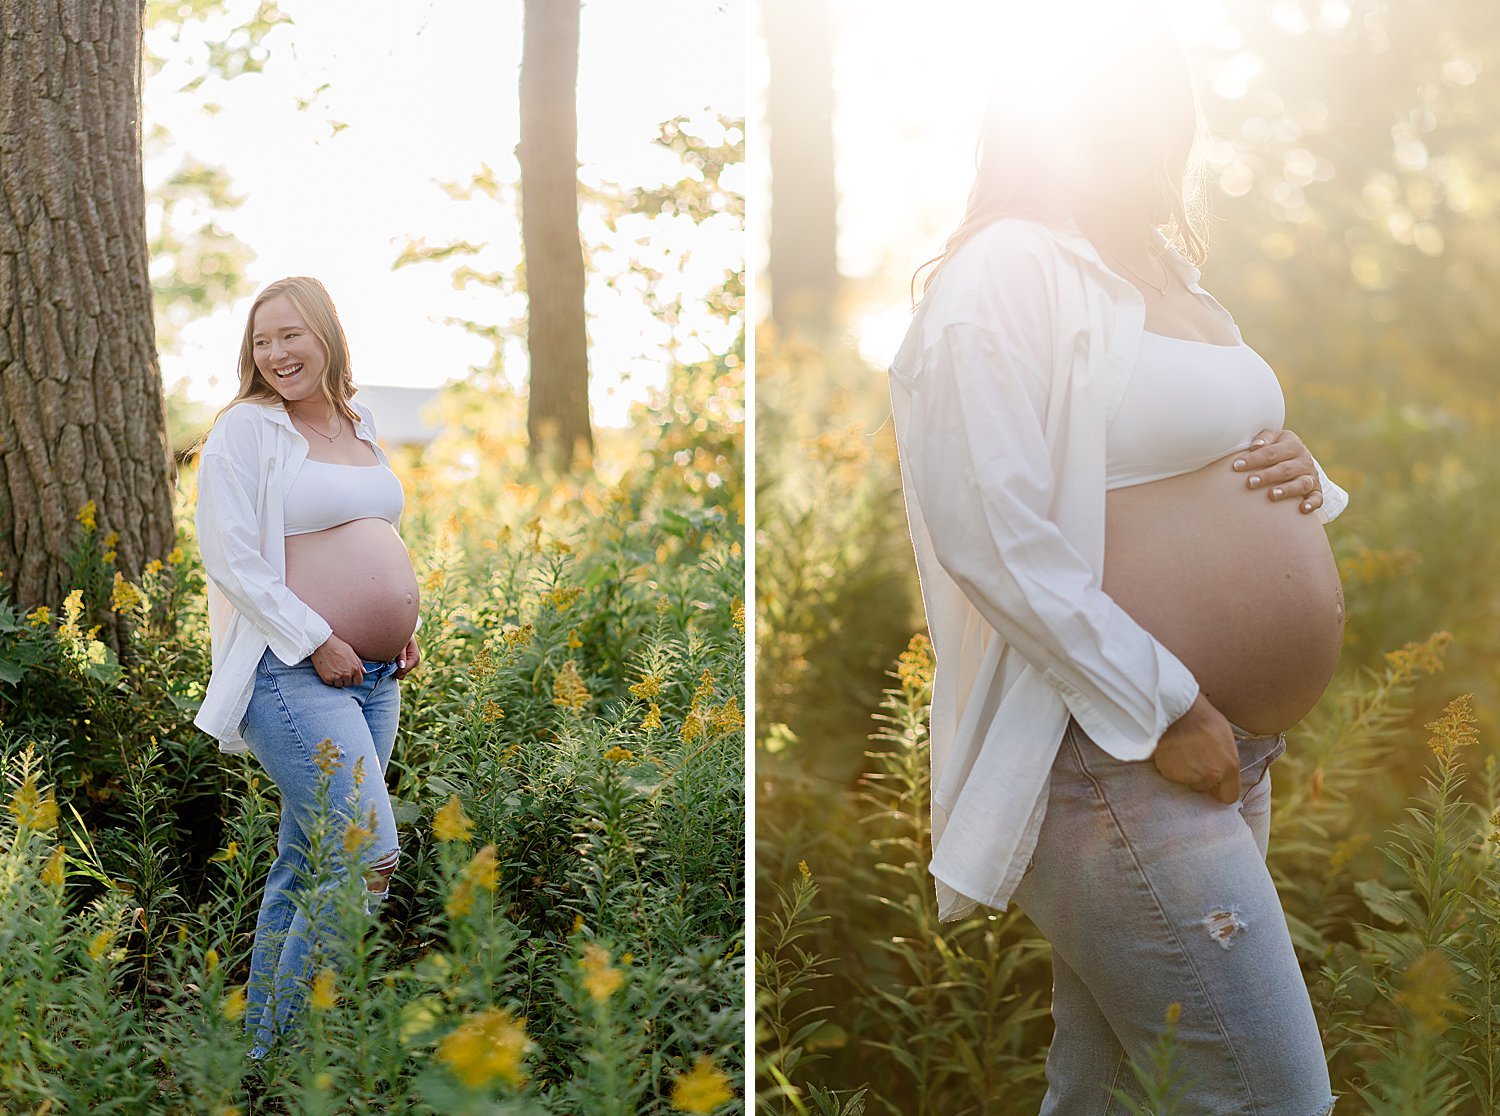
(1335, 499)
(982, 469)
(229, 541)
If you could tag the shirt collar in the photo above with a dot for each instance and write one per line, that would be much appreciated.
(279, 416)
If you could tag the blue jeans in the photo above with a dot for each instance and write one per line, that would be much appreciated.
(1152, 893)
(291, 711)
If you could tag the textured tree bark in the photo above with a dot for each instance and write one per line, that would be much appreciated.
(82, 416)
(799, 114)
(557, 416)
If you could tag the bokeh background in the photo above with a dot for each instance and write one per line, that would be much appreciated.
(1354, 176)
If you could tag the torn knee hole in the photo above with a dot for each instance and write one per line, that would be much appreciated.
(378, 875)
(1224, 925)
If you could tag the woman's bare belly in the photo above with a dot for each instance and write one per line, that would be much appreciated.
(1243, 590)
(357, 576)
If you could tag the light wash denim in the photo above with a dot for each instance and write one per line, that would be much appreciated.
(1152, 893)
(291, 712)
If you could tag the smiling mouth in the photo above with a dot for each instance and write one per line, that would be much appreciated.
(290, 370)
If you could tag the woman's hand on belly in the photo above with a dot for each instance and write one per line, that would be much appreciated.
(337, 663)
(1278, 461)
(409, 658)
(1198, 751)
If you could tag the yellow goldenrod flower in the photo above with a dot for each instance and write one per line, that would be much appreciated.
(153, 566)
(234, 1003)
(692, 726)
(73, 606)
(705, 690)
(701, 1089)
(124, 595)
(574, 643)
(619, 754)
(648, 687)
(359, 772)
(486, 1046)
(1174, 1012)
(568, 690)
(484, 869)
(461, 901)
(323, 994)
(100, 943)
(436, 578)
(355, 837)
(30, 809)
(915, 664)
(52, 871)
(516, 637)
(211, 960)
(491, 712)
(174, 557)
(1456, 728)
(804, 869)
(577, 924)
(86, 516)
(652, 719)
(737, 615)
(563, 597)
(600, 978)
(451, 823)
(727, 718)
(326, 756)
(39, 617)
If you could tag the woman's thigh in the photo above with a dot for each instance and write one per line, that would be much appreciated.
(292, 711)
(1157, 894)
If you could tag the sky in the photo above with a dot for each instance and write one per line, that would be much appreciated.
(427, 92)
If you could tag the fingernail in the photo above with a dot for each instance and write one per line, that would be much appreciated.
(1276, 492)
(1239, 462)
(1258, 442)
(1254, 481)
(403, 662)
(1306, 506)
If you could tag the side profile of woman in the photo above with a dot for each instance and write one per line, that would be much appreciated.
(312, 614)
(1127, 580)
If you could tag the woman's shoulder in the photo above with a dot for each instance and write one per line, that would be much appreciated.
(240, 426)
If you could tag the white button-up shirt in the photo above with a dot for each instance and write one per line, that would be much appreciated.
(248, 461)
(1014, 365)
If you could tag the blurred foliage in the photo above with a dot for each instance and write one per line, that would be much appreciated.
(1355, 234)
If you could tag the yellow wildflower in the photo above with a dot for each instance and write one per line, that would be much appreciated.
(1174, 1013)
(652, 720)
(568, 690)
(1425, 988)
(574, 643)
(915, 664)
(211, 960)
(30, 809)
(52, 871)
(648, 687)
(577, 924)
(1455, 729)
(435, 580)
(86, 516)
(100, 943)
(355, 836)
(1425, 657)
(692, 726)
(124, 595)
(174, 557)
(323, 995)
(487, 1046)
(727, 718)
(516, 637)
(234, 1003)
(600, 978)
(73, 606)
(705, 689)
(619, 754)
(804, 869)
(484, 869)
(39, 617)
(701, 1089)
(562, 597)
(450, 823)
(326, 756)
(153, 566)
(491, 712)
(737, 615)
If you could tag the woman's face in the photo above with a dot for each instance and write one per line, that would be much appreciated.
(288, 354)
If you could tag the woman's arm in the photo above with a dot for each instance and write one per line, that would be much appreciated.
(229, 540)
(982, 473)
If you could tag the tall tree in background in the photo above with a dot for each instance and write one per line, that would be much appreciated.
(81, 412)
(557, 419)
(799, 114)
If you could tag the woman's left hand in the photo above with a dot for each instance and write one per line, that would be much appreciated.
(1278, 461)
(409, 658)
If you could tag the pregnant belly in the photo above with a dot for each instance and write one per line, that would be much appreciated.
(357, 576)
(1244, 591)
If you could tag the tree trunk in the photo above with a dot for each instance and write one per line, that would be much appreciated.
(82, 415)
(799, 114)
(557, 418)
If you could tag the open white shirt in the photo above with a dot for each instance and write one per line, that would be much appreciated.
(250, 458)
(1013, 367)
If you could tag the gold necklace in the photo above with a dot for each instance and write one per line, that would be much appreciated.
(1166, 275)
(320, 434)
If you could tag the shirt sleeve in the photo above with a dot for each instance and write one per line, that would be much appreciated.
(229, 540)
(983, 474)
(1335, 499)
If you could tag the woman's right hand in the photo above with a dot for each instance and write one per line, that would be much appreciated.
(337, 663)
(1198, 751)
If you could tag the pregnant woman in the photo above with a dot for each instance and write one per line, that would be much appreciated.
(312, 614)
(1128, 584)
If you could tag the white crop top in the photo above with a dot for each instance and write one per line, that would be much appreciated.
(1188, 403)
(324, 494)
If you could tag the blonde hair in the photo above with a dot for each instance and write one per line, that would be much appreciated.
(1034, 150)
(315, 305)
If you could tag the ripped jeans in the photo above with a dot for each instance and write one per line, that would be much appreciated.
(1152, 893)
(291, 711)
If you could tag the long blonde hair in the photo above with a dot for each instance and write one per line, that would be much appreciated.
(315, 305)
(1035, 148)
